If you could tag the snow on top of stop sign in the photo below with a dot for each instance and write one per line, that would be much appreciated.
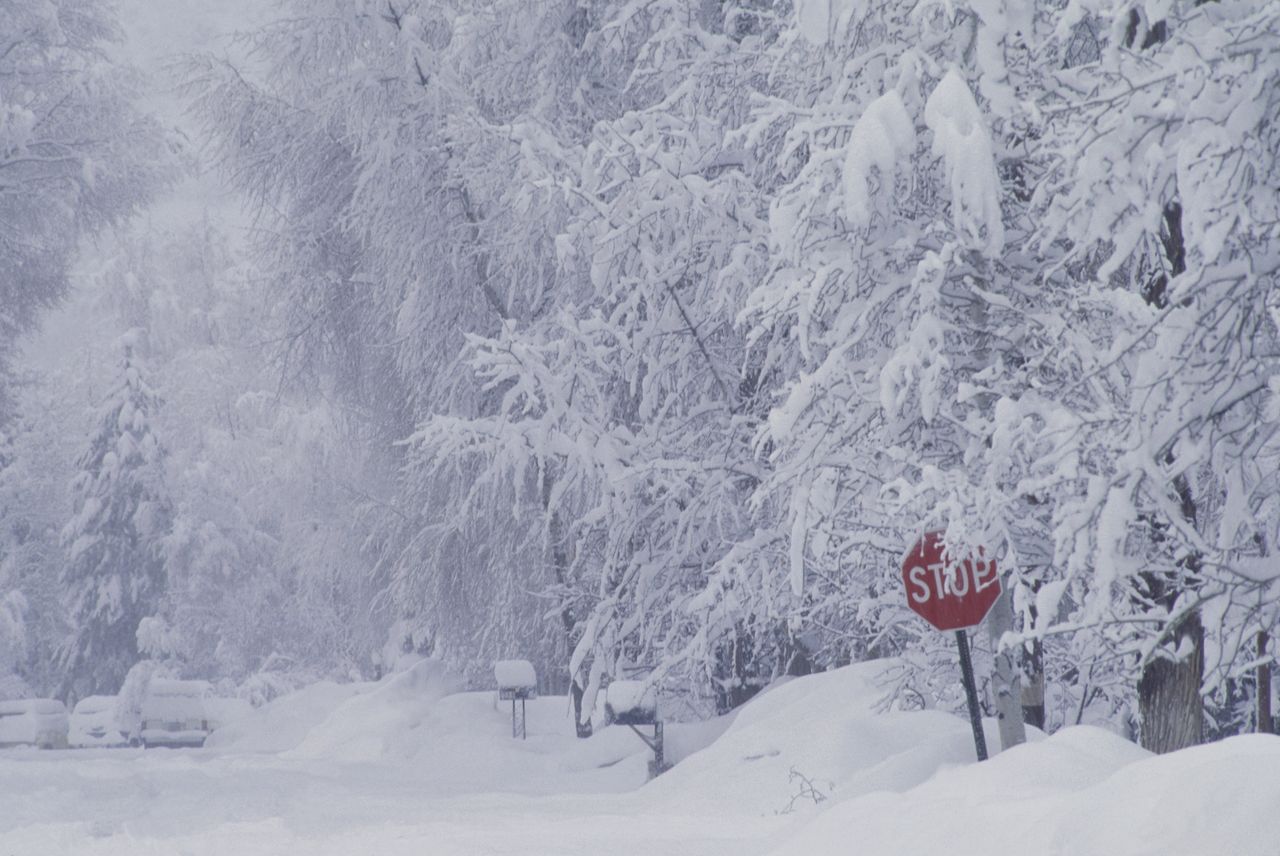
(949, 593)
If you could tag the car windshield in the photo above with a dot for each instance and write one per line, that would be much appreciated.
(94, 705)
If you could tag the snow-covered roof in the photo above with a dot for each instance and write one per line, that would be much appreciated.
(166, 687)
(12, 707)
(96, 704)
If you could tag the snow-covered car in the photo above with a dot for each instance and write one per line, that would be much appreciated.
(40, 722)
(94, 723)
(173, 713)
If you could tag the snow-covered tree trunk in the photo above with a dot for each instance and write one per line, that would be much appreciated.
(1005, 680)
(1170, 706)
(568, 617)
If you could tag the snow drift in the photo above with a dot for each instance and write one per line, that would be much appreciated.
(1083, 792)
(812, 766)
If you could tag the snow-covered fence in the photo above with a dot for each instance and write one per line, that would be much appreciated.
(517, 680)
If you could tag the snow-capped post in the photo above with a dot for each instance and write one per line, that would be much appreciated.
(517, 681)
(953, 595)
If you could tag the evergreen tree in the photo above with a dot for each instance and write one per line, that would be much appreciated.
(114, 574)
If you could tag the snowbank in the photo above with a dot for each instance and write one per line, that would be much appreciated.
(808, 768)
(379, 724)
(1083, 792)
(819, 737)
(857, 780)
(416, 719)
(283, 723)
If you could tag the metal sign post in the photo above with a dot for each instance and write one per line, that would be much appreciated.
(953, 595)
(971, 694)
(518, 718)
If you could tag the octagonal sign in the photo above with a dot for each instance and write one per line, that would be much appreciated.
(948, 601)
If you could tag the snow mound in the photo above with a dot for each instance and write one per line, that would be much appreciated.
(465, 740)
(283, 723)
(818, 737)
(415, 722)
(818, 760)
(1083, 791)
(377, 724)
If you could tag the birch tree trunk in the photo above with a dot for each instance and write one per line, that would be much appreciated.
(1005, 683)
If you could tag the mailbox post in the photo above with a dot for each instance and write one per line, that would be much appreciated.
(635, 705)
(518, 682)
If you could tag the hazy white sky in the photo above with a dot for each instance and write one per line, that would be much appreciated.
(157, 32)
(159, 28)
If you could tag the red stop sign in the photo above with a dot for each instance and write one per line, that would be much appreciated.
(948, 601)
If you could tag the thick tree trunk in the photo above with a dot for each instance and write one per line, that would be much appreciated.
(1265, 723)
(576, 691)
(560, 564)
(1170, 707)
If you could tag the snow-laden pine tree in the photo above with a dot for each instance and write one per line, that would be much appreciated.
(34, 476)
(114, 574)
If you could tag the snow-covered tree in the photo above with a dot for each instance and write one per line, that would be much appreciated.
(390, 241)
(39, 460)
(627, 414)
(75, 153)
(77, 156)
(668, 326)
(114, 575)
(1164, 190)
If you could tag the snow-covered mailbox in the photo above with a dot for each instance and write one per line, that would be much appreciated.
(635, 704)
(519, 682)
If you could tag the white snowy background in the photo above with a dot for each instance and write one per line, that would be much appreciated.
(352, 346)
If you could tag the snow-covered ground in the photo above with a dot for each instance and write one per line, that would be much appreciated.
(811, 767)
